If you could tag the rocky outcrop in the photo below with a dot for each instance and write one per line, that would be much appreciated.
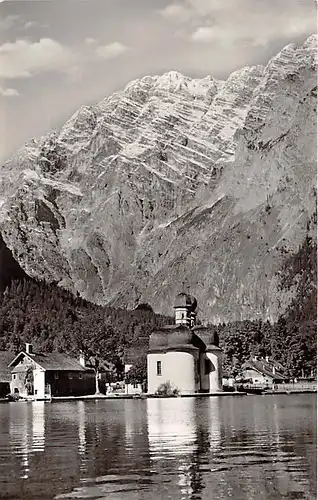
(173, 180)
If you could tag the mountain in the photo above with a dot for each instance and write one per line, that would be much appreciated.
(174, 180)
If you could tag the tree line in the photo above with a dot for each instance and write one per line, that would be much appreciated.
(53, 319)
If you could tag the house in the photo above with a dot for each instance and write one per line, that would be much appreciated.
(263, 371)
(185, 355)
(50, 374)
(5, 373)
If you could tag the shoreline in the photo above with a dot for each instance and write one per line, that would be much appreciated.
(146, 396)
(103, 397)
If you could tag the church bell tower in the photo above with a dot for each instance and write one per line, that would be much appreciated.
(185, 307)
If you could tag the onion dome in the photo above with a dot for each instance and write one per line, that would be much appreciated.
(186, 300)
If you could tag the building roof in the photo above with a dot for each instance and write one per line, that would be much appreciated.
(5, 359)
(265, 368)
(207, 334)
(52, 361)
(173, 327)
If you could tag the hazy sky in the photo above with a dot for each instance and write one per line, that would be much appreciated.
(56, 55)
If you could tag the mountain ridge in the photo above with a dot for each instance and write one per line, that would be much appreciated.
(173, 180)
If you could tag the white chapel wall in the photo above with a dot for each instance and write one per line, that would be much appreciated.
(180, 370)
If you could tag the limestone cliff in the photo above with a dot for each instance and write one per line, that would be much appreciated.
(173, 180)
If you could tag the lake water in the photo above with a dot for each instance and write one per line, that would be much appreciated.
(249, 447)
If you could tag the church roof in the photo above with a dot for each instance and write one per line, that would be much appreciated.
(176, 336)
(207, 334)
(174, 327)
(181, 335)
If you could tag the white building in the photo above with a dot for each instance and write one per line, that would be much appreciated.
(43, 375)
(185, 355)
(263, 371)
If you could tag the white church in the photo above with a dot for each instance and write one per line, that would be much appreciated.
(185, 355)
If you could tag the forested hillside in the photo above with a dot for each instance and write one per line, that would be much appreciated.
(51, 318)
(54, 320)
(292, 339)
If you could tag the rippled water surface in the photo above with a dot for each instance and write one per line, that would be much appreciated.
(252, 447)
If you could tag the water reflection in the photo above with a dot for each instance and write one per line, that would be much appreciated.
(259, 438)
(180, 448)
(27, 432)
(291, 470)
(81, 434)
(38, 426)
(172, 436)
(135, 427)
(183, 430)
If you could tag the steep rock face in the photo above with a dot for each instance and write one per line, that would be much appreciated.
(173, 180)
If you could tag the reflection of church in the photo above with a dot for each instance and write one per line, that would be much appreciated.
(185, 354)
(183, 433)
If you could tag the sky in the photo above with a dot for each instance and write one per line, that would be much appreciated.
(56, 55)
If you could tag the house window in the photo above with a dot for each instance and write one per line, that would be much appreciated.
(56, 375)
(159, 368)
(135, 385)
(70, 376)
(80, 375)
(14, 376)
